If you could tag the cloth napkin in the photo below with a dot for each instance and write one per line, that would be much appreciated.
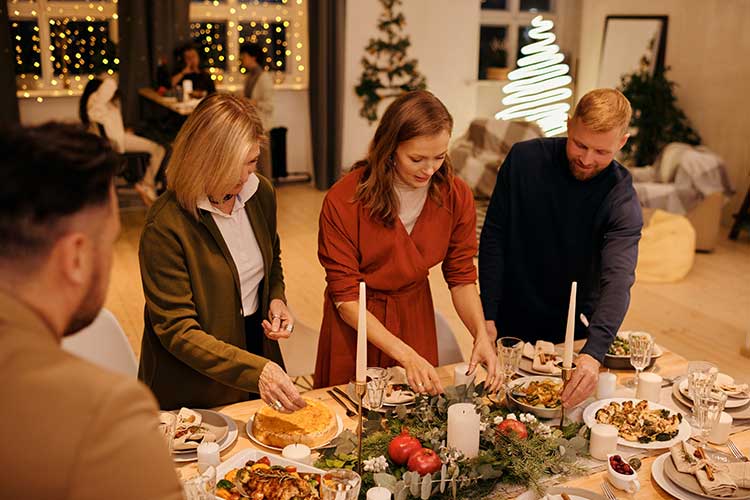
(547, 348)
(723, 485)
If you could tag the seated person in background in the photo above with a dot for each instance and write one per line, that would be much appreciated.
(564, 210)
(100, 105)
(259, 89)
(71, 430)
(211, 267)
(192, 71)
(397, 214)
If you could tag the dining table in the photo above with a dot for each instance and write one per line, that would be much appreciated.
(670, 366)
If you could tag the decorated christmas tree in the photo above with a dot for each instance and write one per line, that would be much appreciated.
(539, 91)
(387, 71)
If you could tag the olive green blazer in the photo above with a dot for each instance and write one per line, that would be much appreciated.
(193, 347)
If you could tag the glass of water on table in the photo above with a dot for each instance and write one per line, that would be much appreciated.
(701, 377)
(641, 345)
(509, 351)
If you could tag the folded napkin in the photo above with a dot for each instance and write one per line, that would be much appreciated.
(686, 460)
(740, 473)
(546, 349)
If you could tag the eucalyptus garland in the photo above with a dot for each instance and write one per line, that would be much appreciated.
(386, 69)
(505, 460)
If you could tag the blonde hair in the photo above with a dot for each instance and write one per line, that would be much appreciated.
(211, 148)
(602, 110)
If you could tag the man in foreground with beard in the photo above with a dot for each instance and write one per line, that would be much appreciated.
(70, 430)
(564, 210)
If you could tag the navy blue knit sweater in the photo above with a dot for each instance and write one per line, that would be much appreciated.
(545, 229)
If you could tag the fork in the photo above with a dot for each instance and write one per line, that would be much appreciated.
(608, 491)
(736, 452)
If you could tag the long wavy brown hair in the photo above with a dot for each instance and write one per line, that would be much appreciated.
(414, 114)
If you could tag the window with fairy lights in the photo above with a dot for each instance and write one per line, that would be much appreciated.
(272, 40)
(279, 26)
(26, 47)
(210, 40)
(82, 47)
(59, 45)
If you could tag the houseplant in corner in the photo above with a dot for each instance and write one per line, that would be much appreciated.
(657, 120)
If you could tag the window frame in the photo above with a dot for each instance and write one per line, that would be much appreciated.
(234, 12)
(42, 11)
(514, 19)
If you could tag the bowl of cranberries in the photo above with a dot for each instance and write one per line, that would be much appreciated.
(621, 474)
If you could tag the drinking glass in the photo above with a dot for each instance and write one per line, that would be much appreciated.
(707, 408)
(377, 381)
(641, 345)
(509, 350)
(701, 377)
(340, 484)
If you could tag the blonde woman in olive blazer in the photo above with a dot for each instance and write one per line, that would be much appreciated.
(211, 269)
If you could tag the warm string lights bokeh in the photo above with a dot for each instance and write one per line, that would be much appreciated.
(61, 45)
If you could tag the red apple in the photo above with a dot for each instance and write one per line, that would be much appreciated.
(424, 461)
(508, 426)
(402, 447)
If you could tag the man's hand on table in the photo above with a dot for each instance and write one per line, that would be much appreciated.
(583, 381)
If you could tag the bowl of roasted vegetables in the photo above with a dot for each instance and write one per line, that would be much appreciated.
(538, 395)
(618, 355)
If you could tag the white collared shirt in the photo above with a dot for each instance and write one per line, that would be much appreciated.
(238, 234)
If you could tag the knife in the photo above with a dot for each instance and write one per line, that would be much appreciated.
(347, 397)
(349, 413)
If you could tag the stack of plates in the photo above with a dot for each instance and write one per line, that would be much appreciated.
(738, 408)
(685, 486)
(220, 425)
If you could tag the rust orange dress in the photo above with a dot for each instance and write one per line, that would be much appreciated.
(352, 247)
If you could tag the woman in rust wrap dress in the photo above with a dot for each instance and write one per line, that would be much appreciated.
(398, 213)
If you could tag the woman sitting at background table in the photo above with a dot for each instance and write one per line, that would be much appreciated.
(211, 269)
(398, 213)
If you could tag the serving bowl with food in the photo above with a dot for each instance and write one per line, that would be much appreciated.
(618, 355)
(537, 395)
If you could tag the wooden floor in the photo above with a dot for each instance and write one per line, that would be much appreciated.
(705, 316)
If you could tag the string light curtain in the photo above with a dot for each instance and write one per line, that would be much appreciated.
(8, 100)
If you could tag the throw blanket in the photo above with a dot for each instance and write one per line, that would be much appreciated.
(682, 176)
(478, 154)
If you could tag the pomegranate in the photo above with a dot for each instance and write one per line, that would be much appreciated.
(402, 447)
(424, 461)
(509, 426)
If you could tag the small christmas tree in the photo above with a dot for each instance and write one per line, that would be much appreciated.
(386, 70)
(539, 87)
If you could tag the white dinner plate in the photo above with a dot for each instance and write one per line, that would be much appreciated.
(249, 430)
(731, 402)
(225, 443)
(684, 431)
(657, 472)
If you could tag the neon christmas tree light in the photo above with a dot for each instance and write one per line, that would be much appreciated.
(538, 91)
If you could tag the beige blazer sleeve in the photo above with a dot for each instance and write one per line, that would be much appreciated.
(123, 456)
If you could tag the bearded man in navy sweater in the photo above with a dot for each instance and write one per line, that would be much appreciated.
(564, 210)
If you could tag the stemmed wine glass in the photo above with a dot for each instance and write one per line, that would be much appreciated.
(641, 344)
(509, 350)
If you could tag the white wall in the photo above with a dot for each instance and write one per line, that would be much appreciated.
(708, 49)
(292, 110)
(445, 41)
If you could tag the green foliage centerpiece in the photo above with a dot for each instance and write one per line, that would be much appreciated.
(524, 456)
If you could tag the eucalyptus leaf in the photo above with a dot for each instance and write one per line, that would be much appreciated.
(443, 474)
(402, 492)
(401, 411)
(345, 448)
(578, 443)
(414, 486)
(426, 487)
(486, 471)
(371, 425)
(451, 393)
(385, 480)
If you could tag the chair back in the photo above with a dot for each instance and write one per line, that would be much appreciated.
(105, 344)
(449, 351)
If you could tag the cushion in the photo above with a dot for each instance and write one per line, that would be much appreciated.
(667, 247)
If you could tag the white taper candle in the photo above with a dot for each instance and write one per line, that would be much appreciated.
(570, 328)
(362, 334)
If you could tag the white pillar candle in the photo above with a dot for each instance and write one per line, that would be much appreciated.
(463, 429)
(459, 375)
(362, 335)
(570, 328)
(603, 441)
(208, 455)
(298, 453)
(649, 387)
(606, 385)
(378, 493)
(720, 432)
